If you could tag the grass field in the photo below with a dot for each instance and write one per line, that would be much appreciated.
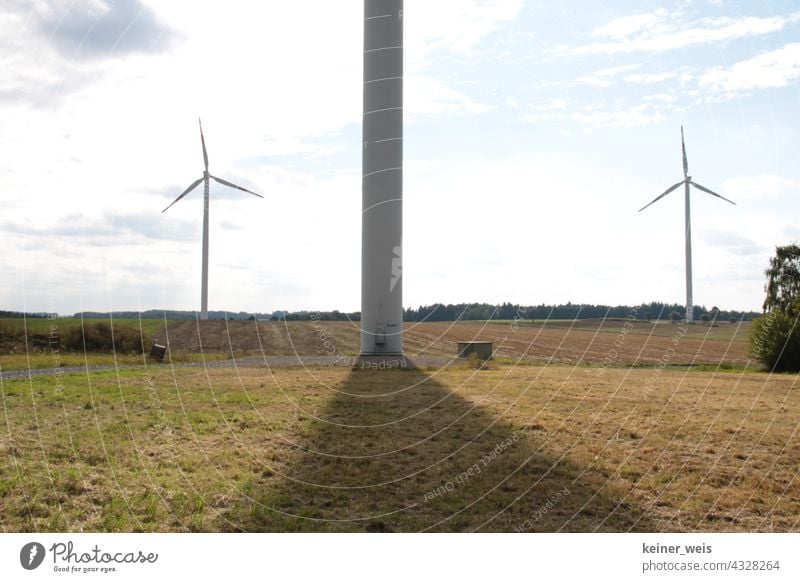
(43, 324)
(608, 343)
(528, 448)
(34, 344)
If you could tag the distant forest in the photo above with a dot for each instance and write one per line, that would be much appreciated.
(438, 312)
(508, 311)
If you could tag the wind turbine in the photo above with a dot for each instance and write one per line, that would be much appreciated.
(382, 180)
(687, 179)
(205, 180)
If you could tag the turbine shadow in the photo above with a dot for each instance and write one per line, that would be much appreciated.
(398, 451)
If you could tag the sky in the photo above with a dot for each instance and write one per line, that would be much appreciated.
(534, 131)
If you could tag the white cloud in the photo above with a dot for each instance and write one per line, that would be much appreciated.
(628, 25)
(684, 87)
(758, 187)
(659, 31)
(668, 97)
(590, 117)
(729, 239)
(429, 97)
(651, 78)
(605, 77)
(128, 125)
(548, 109)
(452, 26)
(773, 69)
(639, 115)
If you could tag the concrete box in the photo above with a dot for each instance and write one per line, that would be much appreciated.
(482, 349)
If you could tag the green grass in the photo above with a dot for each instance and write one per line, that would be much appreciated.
(323, 449)
(40, 343)
(38, 360)
(43, 324)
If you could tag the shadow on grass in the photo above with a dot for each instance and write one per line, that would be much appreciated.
(397, 451)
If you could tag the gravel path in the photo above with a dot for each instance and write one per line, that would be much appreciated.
(244, 362)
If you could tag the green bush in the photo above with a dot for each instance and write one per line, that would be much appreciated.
(8, 332)
(98, 337)
(8, 337)
(775, 341)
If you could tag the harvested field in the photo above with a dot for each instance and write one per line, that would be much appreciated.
(608, 343)
(272, 338)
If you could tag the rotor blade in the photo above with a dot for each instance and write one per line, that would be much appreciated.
(203, 141)
(704, 189)
(185, 192)
(685, 161)
(232, 185)
(668, 190)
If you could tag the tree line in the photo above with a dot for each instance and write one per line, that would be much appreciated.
(654, 311)
(439, 312)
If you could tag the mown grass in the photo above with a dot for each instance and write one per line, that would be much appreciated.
(753, 368)
(161, 449)
(39, 360)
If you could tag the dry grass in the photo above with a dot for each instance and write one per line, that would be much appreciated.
(547, 448)
(273, 338)
(612, 342)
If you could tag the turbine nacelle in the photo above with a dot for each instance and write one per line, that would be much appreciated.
(207, 175)
(687, 179)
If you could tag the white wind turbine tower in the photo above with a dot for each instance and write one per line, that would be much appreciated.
(382, 180)
(687, 179)
(205, 180)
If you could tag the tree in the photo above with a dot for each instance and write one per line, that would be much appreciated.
(706, 318)
(675, 316)
(714, 314)
(732, 319)
(783, 280)
(775, 341)
(775, 338)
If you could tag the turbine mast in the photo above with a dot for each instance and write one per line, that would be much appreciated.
(204, 284)
(686, 181)
(689, 303)
(206, 183)
(382, 180)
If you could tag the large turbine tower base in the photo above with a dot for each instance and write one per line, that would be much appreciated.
(382, 180)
